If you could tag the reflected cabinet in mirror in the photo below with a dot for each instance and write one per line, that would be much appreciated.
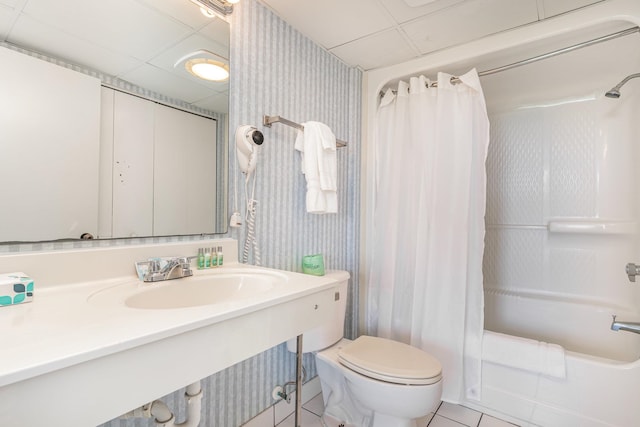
(105, 129)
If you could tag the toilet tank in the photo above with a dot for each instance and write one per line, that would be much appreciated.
(330, 333)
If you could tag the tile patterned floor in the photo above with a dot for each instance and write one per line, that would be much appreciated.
(447, 415)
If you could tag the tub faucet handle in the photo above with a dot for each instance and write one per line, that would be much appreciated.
(632, 270)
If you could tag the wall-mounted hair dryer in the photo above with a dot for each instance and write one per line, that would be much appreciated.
(247, 138)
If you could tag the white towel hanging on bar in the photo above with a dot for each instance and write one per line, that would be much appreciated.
(317, 146)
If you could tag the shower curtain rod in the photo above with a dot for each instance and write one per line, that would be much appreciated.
(568, 49)
(269, 120)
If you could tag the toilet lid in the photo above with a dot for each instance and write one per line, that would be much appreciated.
(390, 361)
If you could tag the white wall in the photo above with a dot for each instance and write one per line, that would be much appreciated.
(46, 112)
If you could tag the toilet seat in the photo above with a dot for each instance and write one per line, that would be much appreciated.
(390, 361)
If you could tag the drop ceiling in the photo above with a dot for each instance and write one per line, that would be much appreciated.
(375, 33)
(139, 40)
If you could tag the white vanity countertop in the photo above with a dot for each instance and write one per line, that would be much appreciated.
(61, 328)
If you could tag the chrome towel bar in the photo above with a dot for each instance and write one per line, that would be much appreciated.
(269, 120)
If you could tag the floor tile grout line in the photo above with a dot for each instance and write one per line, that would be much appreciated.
(434, 413)
(450, 419)
(429, 423)
(480, 419)
(293, 414)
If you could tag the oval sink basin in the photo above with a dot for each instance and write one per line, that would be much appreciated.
(202, 290)
(194, 291)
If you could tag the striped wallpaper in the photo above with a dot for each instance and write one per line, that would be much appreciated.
(278, 71)
(281, 72)
(275, 70)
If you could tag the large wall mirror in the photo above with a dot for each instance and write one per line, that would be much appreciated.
(104, 133)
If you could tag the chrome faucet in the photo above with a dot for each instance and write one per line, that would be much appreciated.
(175, 268)
(625, 326)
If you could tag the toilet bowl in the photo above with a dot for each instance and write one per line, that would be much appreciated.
(371, 381)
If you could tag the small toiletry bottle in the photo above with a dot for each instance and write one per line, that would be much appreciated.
(207, 258)
(220, 256)
(214, 258)
(200, 258)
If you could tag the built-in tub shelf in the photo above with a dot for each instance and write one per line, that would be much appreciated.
(593, 227)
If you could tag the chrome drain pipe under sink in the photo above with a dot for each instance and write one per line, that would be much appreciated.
(163, 415)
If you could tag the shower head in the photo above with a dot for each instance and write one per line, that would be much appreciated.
(614, 92)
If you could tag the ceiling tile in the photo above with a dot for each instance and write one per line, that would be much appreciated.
(6, 20)
(468, 21)
(375, 51)
(416, 3)
(556, 7)
(124, 26)
(331, 23)
(168, 58)
(401, 12)
(30, 34)
(181, 10)
(164, 82)
(11, 3)
(217, 30)
(218, 103)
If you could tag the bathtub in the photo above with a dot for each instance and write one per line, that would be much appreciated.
(562, 219)
(602, 381)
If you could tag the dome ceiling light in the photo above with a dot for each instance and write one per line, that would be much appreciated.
(205, 65)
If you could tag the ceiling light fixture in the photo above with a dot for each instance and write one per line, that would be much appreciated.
(205, 65)
(207, 69)
(210, 8)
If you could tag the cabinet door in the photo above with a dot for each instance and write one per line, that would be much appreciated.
(132, 166)
(49, 143)
(184, 173)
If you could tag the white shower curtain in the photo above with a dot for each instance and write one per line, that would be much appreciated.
(425, 272)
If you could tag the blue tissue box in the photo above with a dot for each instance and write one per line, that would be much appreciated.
(15, 288)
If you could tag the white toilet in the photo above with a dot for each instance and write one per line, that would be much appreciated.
(371, 382)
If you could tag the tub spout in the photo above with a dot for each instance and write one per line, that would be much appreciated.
(625, 326)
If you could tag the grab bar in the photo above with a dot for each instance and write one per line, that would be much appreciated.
(625, 326)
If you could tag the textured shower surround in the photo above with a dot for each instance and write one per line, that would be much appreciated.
(276, 70)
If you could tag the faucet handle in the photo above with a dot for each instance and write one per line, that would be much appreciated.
(185, 261)
(632, 271)
(154, 265)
